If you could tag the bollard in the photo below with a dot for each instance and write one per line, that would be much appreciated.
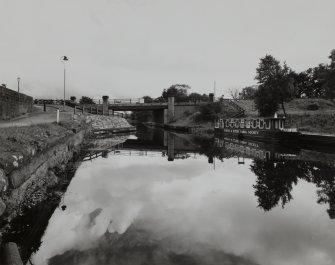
(11, 254)
(57, 116)
(75, 109)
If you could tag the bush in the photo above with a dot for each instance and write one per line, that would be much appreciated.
(86, 100)
(209, 111)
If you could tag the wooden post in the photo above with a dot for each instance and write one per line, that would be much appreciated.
(57, 119)
(11, 254)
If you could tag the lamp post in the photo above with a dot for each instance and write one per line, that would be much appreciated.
(18, 91)
(18, 84)
(64, 60)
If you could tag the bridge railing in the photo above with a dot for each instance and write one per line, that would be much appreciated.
(121, 101)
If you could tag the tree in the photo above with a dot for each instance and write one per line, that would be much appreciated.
(178, 91)
(329, 84)
(275, 86)
(196, 97)
(248, 92)
(332, 59)
(148, 99)
(159, 100)
(268, 68)
(209, 111)
(316, 82)
(86, 100)
(234, 93)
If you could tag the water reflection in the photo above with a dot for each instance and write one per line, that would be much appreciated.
(129, 204)
(275, 181)
(278, 168)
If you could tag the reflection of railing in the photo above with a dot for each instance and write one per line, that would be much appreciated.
(96, 153)
(249, 149)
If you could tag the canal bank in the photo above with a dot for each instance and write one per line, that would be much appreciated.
(36, 165)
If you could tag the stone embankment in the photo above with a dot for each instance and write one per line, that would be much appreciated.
(37, 164)
(32, 158)
(106, 122)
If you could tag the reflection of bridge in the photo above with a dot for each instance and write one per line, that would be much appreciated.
(163, 144)
(146, 153)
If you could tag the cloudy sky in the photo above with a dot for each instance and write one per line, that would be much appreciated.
(131, 48)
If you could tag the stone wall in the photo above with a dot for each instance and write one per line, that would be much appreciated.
(13, 104)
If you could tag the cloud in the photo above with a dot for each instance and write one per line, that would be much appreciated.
(116, 46)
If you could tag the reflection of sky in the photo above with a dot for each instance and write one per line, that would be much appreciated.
(188, 198)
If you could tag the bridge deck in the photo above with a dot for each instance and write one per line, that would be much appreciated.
(138, 106)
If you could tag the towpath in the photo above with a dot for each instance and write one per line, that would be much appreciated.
(38, 116)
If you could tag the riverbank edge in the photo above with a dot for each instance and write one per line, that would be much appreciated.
(56, 155)
(44, 177)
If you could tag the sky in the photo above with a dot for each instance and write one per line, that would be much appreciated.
(132, 48)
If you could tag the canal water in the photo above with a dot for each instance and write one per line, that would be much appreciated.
(162, 198)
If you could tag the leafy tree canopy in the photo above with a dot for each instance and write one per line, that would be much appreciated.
(148, 99)
(248, 92)
(275, 85)
(178, 91)
(196, 97)
(86, 100)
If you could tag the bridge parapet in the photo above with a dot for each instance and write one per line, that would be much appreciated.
(120, 101)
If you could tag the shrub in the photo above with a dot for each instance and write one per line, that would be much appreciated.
(209, 111)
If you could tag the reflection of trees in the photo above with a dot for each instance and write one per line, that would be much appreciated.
(275, 180)
(274, 183)
(210, 149)
(324, 178)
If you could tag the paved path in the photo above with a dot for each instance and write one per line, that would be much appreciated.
(38, 117)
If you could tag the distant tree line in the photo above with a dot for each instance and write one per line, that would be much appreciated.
(278, 83)
(180, 94)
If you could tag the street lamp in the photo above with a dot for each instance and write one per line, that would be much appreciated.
(18, 89)
(64, 60)
(18, 84)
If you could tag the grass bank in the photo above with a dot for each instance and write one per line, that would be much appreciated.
(20, 144)
(307, 115)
